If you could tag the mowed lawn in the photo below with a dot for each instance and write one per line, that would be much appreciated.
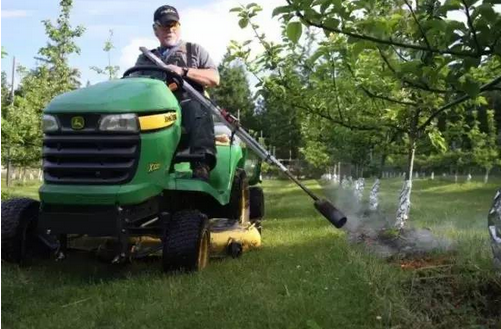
(305, 276)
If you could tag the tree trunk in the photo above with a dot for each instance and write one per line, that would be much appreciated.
(9, 169)
(382, 164)
(410, 160)
(339, 172)
(494, 225)
(404, 204)
(374, 196)
(486, 177)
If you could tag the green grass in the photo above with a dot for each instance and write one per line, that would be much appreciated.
(305, 276)
(28, 189)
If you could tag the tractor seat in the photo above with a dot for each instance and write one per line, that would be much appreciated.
(223, 135)
(222, 138)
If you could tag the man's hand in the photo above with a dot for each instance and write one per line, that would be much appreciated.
(205, 77)
(175, 69)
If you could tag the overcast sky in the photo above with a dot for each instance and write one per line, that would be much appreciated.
(208, 23)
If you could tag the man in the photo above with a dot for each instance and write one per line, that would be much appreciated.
(194, 64)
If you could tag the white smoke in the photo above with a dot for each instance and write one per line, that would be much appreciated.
(376, 231)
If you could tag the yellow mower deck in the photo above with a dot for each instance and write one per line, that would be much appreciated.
(223, 233)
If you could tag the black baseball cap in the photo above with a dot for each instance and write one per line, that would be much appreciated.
(165, 14)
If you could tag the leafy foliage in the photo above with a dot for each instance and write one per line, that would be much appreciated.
(21, 126)
(386, 77)
(109, 70)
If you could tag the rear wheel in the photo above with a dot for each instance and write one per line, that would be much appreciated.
(187, 242)
(256, 202)
(20, 241)
(256, 198)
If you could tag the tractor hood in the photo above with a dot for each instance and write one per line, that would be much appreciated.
(130, 95)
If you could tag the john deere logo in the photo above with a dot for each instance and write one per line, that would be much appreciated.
(77, 123)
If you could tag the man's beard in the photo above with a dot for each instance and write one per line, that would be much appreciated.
(171, 42)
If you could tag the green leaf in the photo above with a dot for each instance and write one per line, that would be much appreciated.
(410, 66)
(236, 9)
(471, 62)
(451, 5)
(324, 6)
(497, 49)
(331, 23)
(357, 48)
(250, 5)
(281, 10)
(437, 140)
(243, 22)
(472, 88)
(487, 12)
(481, 100)
(436, 24)
(319, 53)
(294, 31)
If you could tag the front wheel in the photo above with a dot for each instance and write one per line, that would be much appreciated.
(20, 240)
(187, 242)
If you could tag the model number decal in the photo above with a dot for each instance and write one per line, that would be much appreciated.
(153, 166)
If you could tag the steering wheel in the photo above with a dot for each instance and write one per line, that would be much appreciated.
(171, 77)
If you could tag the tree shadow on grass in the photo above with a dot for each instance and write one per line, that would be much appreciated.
(82, 267)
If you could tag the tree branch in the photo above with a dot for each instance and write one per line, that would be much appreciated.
(319, 113)
(418, 24)
(398, 54)
(414, 84)
(473, 32)
(334, 78)
(461, 99)
(373, 95)
(390, 42)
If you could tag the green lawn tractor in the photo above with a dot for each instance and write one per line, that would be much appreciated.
(117, 172)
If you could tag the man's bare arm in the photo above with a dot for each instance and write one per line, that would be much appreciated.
(205, 77)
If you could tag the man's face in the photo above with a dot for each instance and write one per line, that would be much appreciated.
(168, 35)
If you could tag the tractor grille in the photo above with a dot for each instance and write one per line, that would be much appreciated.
(90, 158)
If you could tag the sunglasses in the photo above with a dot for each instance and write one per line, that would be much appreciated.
(173, 26)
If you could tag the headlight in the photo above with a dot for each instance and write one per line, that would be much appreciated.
(119, 123)
(49, 123)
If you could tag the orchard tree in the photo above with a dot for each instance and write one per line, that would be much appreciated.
(415, 64)
(5, 93)
(109, 70)
(5, 87)
(234, 92)
(21, 132)
(484, 148)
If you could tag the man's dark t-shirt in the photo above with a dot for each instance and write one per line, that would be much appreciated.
(187, 54)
